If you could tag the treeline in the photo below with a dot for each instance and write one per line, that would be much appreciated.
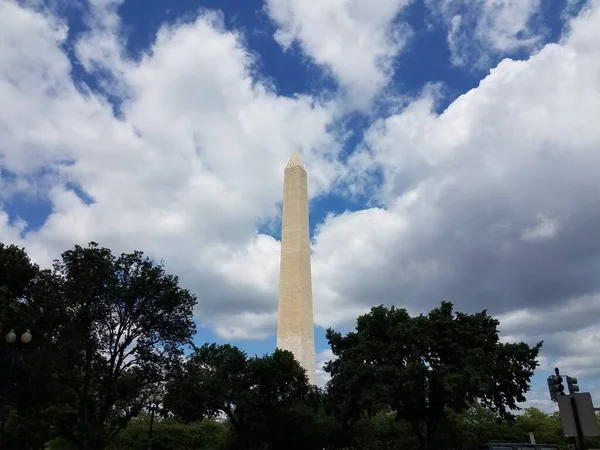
(380, 432)
(111, 333)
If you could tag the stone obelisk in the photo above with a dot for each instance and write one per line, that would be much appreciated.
(295, 325)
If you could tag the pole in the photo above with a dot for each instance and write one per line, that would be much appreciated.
(151, 425)
(580, 438)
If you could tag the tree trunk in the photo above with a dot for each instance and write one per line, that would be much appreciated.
(243, 441)
(93, 441)
(429, 436)
(421, 439)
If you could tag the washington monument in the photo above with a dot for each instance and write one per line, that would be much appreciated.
(295, 326)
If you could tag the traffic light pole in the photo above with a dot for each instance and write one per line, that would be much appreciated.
(580, 439)
(576, 410)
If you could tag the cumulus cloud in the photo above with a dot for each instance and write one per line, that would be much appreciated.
(491, 204)
(322, 358)
(187, 172)
(569, 332)
(541, 400)
(483, 28)
(356, 40)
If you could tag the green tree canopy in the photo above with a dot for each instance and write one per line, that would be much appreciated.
(16, 273)
(173, 435)
(108, 330)
(250, 392)
(421, 367)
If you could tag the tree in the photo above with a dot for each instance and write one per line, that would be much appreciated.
(172, 435)
(250, 392)
(120, 326)
(422, 367)
(17, 273)
(301, 424)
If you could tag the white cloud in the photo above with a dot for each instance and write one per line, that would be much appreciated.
(189, 171)
(545, 229)
(349, 245)
(540, 399)
(569, 331)
(194, 165)
(568, 315)
(482, 28)
(321, 359)
(100, 47)
(577, 352)
(543, 363)
(572, 8)
(515, 158)
(357, 40)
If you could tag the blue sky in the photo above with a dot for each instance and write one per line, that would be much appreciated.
(451, 148)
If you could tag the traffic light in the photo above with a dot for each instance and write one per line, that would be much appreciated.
(556, 387)
(572, 384)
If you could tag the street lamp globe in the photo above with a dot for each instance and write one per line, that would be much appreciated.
(26, 337)
(11, 337)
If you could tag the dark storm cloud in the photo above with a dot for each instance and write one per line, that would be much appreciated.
(478, 240)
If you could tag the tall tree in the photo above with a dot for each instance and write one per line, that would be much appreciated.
(250, 392)
(421, 367)
(17, 273)
(302, 424)
(28, 372)
(122, 324)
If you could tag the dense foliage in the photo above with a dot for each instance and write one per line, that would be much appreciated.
(109, 332)
(253, 393)
(381, 432)
(105, 330)
(419, 368)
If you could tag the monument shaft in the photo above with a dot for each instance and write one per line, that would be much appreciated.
(295, 325)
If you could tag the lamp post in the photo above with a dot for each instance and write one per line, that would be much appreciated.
(153, 401)
(13, 353)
